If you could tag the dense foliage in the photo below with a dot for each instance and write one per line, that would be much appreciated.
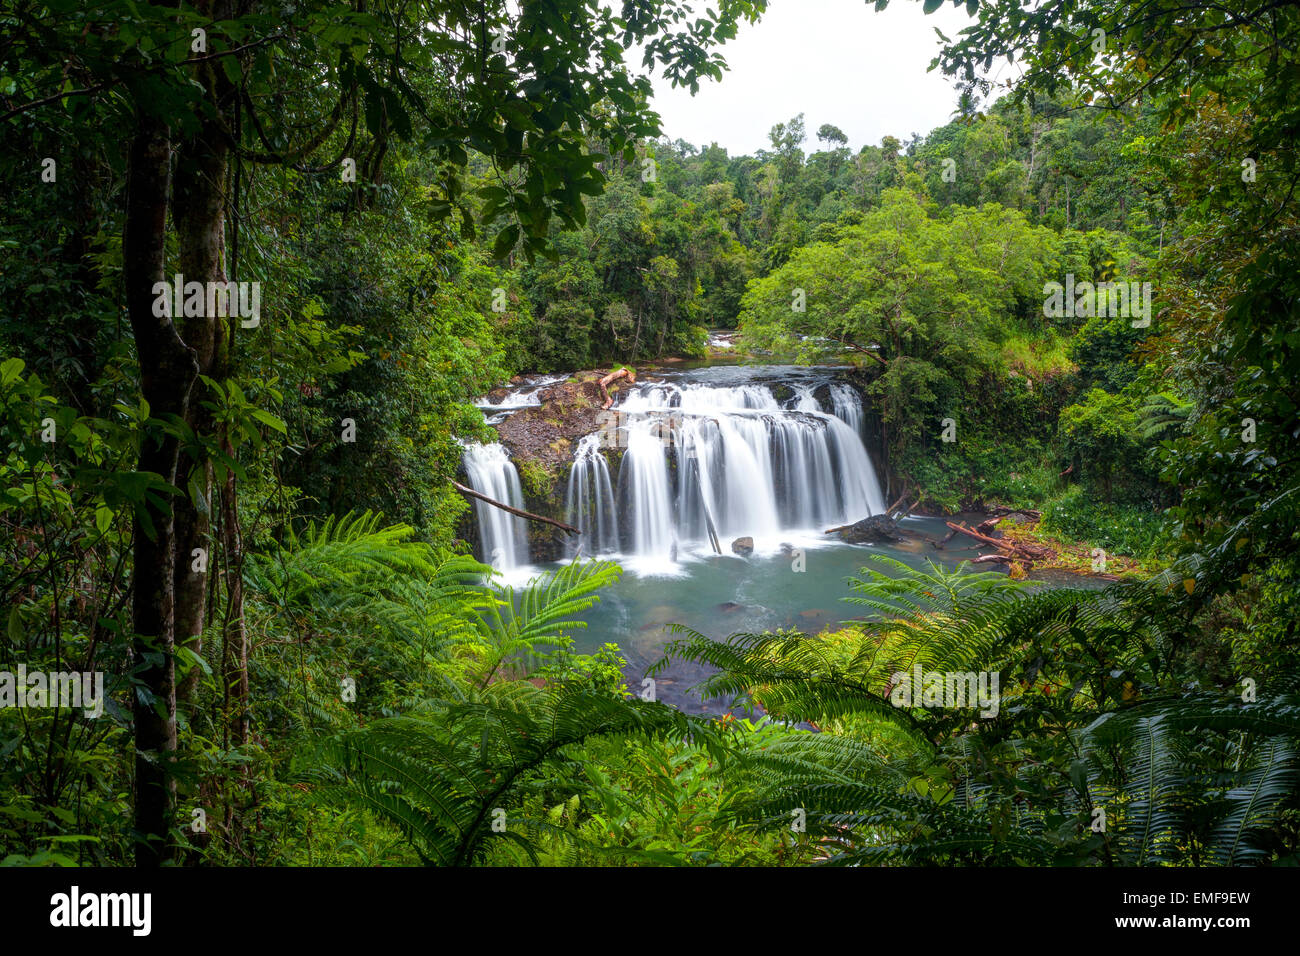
(248, 528)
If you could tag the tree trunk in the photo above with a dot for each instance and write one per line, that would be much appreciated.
(167, 372)
(235, 636)
(199, 218)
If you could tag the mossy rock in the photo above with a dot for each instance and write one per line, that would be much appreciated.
(547, 433)
(537, 479)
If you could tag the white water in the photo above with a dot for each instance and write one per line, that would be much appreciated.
(847, 406)
(527, 395)
(756, 469)
(589, 503)
(504, 537)
(698, 453)
(643, 476)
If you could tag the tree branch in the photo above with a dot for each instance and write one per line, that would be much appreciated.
(514, 511)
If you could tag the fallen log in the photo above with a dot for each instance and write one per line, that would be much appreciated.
(987, 558)
(943, 542)
(874, 528)
(514, 511)
(901, 499)
(987, 525)
(627, 373)
(708, 518)
(996, 542)
(1021, 551)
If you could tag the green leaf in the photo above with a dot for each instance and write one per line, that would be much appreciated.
(269, 420)
(10, 369)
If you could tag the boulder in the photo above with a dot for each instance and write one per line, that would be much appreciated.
(743, 546)
(875, 529)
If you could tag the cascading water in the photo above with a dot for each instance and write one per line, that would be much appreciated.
(731, 456)
(643, 478)
(805, 400)
(504, 537)
(589, 503)
(846, 405)
(710, 456)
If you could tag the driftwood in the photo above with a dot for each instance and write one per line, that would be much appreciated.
(514, 511)
(708, 518)
(836, 530)
(987, 525)
(1019, 551)
(986, 558)
(614, 377)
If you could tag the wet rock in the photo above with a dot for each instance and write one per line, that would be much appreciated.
(743, 546)
(873, 530)
(662, 614)
(729, 607)
(547, 433)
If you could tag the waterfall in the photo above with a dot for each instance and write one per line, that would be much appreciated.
(709, 452)
(805, 400)
(504, 537)
(589, 501)
(732, 454)
(643, 478)
(847, 406)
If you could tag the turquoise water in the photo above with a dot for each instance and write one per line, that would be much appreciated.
(720, 595)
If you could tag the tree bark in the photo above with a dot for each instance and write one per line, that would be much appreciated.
(514, 511)
(604, 383)
(234, 635)
(167, 372)
(199, 218)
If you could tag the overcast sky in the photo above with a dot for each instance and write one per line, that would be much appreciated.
(836, 61)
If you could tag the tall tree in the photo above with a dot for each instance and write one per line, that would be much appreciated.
(205, 87)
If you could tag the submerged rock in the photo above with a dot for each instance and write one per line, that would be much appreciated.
(743, 546)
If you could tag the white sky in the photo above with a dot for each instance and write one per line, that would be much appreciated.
(835, 61)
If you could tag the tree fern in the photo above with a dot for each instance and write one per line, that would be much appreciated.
(542, 614)
(445, 776)
(1162, 414)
